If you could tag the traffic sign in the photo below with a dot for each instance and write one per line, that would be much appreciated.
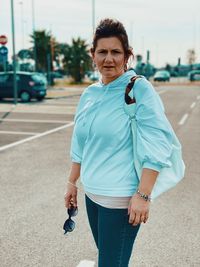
(3, 39)
(3, 54)
(3, 50)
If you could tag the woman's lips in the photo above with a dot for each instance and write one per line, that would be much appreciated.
(108, 67)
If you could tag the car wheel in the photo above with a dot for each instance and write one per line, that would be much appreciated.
(25, 96)
(40, 98)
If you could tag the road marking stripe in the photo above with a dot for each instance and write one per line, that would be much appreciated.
(35, 121)
(184, 118)
(44, 112)
(161, 92)
(86, 263)
(67, 112)
(198, 97)
(36, 136)
(13, 132)
(193, 105)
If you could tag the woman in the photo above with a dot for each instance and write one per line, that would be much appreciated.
(102, 149)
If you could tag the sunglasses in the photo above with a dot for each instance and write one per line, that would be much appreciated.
(69, 224)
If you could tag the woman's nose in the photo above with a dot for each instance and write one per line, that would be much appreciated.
(108, 57)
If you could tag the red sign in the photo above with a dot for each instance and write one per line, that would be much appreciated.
(3, 39)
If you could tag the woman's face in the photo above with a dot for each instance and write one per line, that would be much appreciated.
(109, 58)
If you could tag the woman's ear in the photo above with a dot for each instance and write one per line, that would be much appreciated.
(125, 60)
(92, 53)
(126, 63)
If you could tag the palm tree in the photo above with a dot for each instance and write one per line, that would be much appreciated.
(76, 59)
(42, 39)
(60, 49)
(191, 56)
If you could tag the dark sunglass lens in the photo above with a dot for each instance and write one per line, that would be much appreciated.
(72, 211)
(69, 226)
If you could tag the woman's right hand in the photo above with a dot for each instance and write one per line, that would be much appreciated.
(71, 196)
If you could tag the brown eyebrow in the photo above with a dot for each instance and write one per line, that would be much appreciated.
(115, 49)
(100, 50)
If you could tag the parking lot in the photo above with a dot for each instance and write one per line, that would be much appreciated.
(34, 150)
(28, 121)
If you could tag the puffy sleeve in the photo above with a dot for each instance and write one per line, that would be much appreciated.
(76, 148)
(75, 151)
(154, 132)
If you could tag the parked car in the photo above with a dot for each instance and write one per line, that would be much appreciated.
(29, 85)
(174, 73)
(194, 75)
(56, 75)
(94, 76)
(162, 76)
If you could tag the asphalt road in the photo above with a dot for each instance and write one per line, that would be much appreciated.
(34, 163)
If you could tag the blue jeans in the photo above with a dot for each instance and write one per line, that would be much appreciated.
(113, 235)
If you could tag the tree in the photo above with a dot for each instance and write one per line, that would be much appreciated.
(168, 67)
(76, 59)
(42, 40)
(191, 56)
(60, 49)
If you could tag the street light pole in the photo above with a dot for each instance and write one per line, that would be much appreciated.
(131, 33)
(14, 56)
(93, 16)
(34, 43)
(22, 22)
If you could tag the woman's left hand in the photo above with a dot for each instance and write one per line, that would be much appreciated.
(138, 210)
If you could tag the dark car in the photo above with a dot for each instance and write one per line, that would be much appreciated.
(194, 75)
(56, 75)
(162, 76)
(94, 76)
(29, 85)
(174, 73)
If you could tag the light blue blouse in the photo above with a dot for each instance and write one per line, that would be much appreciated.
(102, 138)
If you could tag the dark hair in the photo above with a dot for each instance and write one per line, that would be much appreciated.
(112, 28)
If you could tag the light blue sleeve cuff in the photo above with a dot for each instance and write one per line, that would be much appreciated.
(75, 158)
(152, 166)
(76, 161)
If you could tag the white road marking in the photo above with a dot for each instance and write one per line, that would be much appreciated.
(193, 105)
(184, 118)
(36, 136)
(13, 132)
(161, 92)
(41, 112)
(38, 109)
(198, 97)
(35, 121)
(86, 263)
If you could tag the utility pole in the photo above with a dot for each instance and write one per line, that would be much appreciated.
(93, 16)
(22, 22)
(34, 43)
(131, 33)
(52, 42)
(14, 56)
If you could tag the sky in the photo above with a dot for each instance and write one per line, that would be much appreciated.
(166, 28)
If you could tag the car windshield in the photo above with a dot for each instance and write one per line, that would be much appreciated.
(3, 78)
(162, 73)
(38, 78)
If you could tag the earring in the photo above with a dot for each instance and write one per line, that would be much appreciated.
(125, 67)
(94, 65)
